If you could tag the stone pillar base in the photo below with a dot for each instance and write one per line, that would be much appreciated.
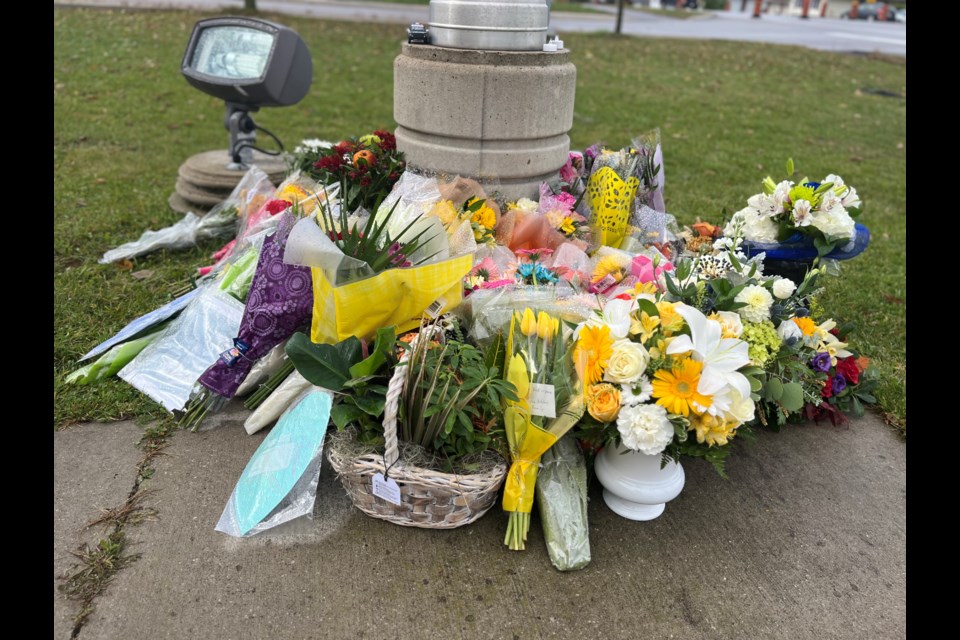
(501, 117)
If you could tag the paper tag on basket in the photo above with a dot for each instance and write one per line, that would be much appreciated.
(543, 401)
(386, 488)
(434, 309)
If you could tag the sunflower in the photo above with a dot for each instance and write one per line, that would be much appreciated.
(676, 389)
(592, 353)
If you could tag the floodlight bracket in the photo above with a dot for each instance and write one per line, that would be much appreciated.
(243, 135)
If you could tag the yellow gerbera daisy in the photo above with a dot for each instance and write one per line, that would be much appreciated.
(609, 266)
(676, 389)
(592, 353)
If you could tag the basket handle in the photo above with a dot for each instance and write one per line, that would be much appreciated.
(394, 389)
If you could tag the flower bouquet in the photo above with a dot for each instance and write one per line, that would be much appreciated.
(797, 223)
(368, 166)
(548, 403)
(377, 270)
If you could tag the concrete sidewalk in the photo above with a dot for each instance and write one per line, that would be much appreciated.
(807, 539)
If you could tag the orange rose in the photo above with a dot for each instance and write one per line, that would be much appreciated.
(365, 155)
(706, 229)
(603, 402)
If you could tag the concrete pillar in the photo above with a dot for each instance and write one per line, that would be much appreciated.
(498, 116)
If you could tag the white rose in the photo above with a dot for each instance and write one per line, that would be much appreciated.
(741, 409)
(784, 288)
(645, 428)
(627, 362)
(730, 324)
(788, 330)
(801, 213)
(526, 204)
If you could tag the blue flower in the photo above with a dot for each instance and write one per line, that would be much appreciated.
(821, 362)
(531, 272)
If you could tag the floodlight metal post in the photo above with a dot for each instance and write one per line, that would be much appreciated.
(243, 135)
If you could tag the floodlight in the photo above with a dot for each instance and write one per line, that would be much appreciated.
(249, 63)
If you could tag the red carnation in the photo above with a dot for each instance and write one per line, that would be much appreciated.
(387, 141)
(329, 163)
(344, 147)
(827, 390)
(847, 367)
(277, 206)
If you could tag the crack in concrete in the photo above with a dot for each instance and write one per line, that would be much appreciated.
(130, 512)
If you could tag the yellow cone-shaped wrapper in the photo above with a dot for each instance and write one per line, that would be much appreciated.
(611, 200)
(396, 297)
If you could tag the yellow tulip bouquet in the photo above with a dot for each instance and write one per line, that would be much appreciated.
(538, 362)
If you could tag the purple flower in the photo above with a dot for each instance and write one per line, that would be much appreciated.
(839, 384)
(821, 362)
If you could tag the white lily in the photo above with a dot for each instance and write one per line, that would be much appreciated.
(721, 357)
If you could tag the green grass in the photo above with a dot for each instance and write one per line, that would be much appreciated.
(729, 114)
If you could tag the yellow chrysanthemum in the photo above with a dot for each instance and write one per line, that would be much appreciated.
(445, 211)
(670, 320)
(712, 429)
(485, 217)
(592, 353)
(609, 266)
(807, 326)
(676, 389)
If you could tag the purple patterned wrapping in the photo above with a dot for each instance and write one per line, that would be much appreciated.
(279, 303)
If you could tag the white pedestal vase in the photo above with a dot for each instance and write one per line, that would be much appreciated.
(634, 485)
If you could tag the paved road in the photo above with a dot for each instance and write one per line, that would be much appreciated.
(817, 33)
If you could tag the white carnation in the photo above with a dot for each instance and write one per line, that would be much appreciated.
(645, 428)
(836, 223)
(784, 288)
(755, 227)
(758, 301)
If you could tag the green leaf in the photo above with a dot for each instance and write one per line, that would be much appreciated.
(324, 365)
(648, 307)
(343, 414)
(789, 167)
(755, 385)
(792, 398)
(386, 336)
(823, 246)
(496, 353)
(774, 390)
(371, 404)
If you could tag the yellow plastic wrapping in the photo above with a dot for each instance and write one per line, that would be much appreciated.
(396, 297)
